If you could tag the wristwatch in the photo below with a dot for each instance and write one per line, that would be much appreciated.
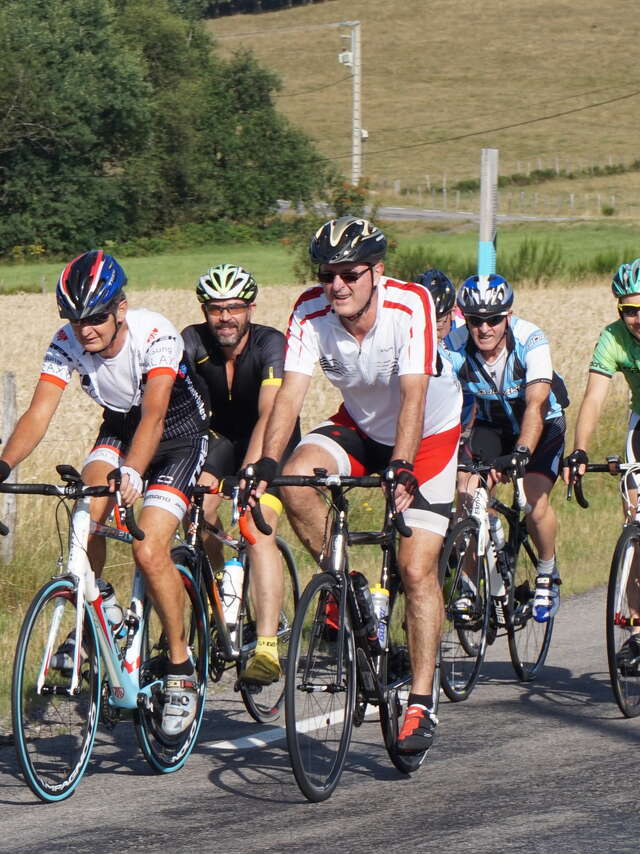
(522, 449)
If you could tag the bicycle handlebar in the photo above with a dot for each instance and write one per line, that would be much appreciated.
(319, 479)
(516, 479)
(72, 490)
(614, 466)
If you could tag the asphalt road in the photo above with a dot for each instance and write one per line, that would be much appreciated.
(542, 767)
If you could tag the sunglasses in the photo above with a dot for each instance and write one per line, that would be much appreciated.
(93, 320)
(476, 321)
(326, 277)
(234, 310)
(629, 310)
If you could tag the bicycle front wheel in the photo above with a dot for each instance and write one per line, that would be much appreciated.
(163, 752)
(623, 609)
(54, 729)
(320, 689)
(264, 703)
(528, 640)
(398, 667)
(465, 589)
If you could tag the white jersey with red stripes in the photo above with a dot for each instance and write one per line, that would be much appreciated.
(153, 346)
(401, 341)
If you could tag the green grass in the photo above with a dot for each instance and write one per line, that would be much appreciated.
(272, 264)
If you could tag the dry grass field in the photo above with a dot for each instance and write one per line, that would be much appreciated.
(542, 81)
(571, 317)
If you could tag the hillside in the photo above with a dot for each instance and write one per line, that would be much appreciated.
(441, 80)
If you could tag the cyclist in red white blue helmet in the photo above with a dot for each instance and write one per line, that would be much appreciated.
(130, 362)
(520, 403)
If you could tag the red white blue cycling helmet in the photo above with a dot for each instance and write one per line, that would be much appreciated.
(90, 284)
(485, 296)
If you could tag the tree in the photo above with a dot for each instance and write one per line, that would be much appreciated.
(117, 119)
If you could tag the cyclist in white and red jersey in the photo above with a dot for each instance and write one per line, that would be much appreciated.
(154, 427)
(375, 340)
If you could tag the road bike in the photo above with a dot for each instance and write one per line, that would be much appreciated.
(623, 592)
(488, 590)
(336, 667)
(231, 644)
(111, 674)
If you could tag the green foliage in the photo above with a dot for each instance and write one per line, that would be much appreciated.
(533, 260)
(117, 120)
(408, 264)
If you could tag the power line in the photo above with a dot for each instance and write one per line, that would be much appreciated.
(523, 123)
(315, 89)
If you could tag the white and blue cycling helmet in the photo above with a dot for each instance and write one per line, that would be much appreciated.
(485, 296)
(626, 280)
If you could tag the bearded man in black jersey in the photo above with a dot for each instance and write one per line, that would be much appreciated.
(240, 365)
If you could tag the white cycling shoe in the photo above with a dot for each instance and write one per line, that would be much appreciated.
(547, 598)
(180, 704)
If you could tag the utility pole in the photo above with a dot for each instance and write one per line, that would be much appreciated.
(352, 58)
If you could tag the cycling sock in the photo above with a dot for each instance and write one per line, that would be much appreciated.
(546, 567)
(267, 646)
(185, 668)
(424, 700)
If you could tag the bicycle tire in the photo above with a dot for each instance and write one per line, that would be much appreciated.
(463, 642)
(166, 753)
(319, 722)
(264, 703)
(398, 674)
(626, 687)
(528, 640)
(54, 732)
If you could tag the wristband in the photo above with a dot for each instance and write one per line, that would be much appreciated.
(5, 470)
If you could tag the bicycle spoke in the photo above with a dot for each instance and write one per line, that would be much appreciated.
(320, 691)
(54, 727)
(623, 617)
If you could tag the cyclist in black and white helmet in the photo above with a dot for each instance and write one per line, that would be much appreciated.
(240, 365)
(374, 338)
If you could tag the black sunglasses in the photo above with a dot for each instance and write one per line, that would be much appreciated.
(629, 310)
(475, 320)
(93, 320)
(326, 277)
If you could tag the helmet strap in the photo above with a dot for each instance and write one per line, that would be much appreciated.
(113, 337)
(364, 308)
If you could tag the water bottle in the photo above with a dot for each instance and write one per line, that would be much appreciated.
(367, 613)
(380, 599)
(494, 555)
(496, 532)
(231, 589)
(112, 608)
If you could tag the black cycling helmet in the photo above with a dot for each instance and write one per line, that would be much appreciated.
(441, 289)
(348, 238)
(90, 284)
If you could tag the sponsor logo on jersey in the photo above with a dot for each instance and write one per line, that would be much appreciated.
(152, 335)
(62, 335)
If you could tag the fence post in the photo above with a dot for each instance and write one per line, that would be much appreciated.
(9, 507)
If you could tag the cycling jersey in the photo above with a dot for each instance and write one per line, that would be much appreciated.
(234, 411)
(401, 341)
(152, 347)
(527, 360)
(618, 350)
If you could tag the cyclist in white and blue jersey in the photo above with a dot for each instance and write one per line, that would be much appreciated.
(519, 410)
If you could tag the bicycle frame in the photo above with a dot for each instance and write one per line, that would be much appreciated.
(122, 666)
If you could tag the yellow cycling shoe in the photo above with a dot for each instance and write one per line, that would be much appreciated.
(261, 669)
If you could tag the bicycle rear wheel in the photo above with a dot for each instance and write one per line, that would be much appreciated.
(168, 753)
(264, 703)
(320, 690)
(465, 589)
(54, 730)
(398, 667)
(623, 605)
(528, 640)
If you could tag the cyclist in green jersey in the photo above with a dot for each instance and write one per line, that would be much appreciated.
(617, 349)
